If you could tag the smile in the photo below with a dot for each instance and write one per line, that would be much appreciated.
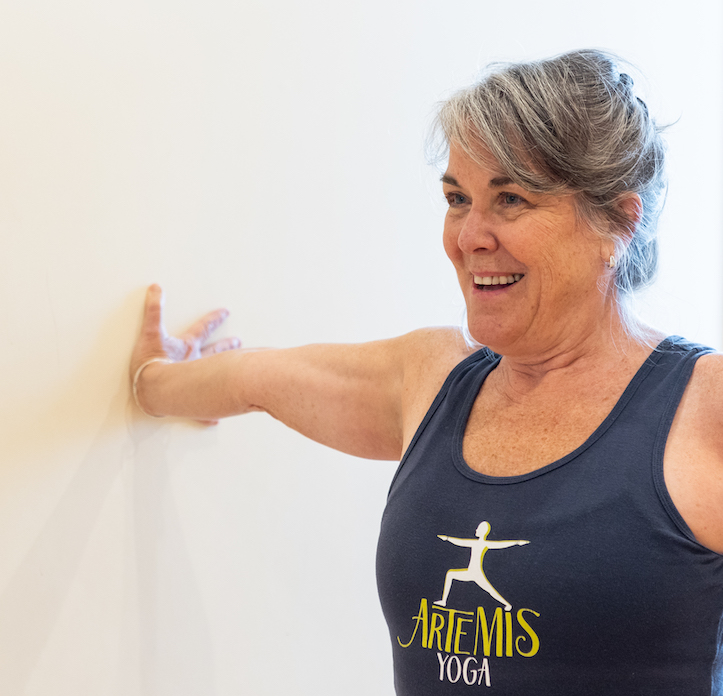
(486, 282)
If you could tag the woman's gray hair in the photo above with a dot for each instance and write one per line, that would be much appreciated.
(570, 124)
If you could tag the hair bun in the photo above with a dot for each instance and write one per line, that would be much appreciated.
(626, 82)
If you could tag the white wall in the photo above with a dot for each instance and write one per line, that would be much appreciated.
(266, 157)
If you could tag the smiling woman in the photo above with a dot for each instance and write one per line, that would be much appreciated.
(572, 126)
(495, 229)
(574, 432)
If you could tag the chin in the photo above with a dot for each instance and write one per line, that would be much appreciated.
(477, 338)
(495, 338)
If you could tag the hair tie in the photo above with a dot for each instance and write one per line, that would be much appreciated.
(626, 81)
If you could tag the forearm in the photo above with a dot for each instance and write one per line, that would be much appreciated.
(345, 396)
(204, 389)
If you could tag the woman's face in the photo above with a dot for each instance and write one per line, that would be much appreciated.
(532, 273)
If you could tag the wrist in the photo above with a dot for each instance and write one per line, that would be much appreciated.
(136, 381)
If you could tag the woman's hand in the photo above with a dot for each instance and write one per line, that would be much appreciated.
(155, 346)
(366, 399)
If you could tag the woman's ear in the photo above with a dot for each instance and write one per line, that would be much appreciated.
(629, 214)
(631, 207)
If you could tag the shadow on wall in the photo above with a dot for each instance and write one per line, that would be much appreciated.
(67, 413)
(162, 636)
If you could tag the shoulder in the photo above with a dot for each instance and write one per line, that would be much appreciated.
(710, 365)
(429, 355)
(703, 398)
(694, 453)
(699, 419)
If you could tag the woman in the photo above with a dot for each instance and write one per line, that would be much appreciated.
(589, 439)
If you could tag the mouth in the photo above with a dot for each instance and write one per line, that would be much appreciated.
(487, 283)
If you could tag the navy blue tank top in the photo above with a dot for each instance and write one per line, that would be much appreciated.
(579, 578)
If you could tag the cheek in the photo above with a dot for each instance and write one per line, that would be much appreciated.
(571, 275)
(450, 242)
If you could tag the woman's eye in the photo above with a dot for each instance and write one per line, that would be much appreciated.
(511, 199)
(455, 199)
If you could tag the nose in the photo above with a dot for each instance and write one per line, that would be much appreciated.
(476, 234)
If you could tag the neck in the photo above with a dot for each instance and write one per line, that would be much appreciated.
(590, 353)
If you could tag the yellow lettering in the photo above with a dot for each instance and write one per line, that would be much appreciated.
(421, 617)
(436, 629)
(534, 640)
(450, 631)
(487, 632)
(459, 633)
(508, 634)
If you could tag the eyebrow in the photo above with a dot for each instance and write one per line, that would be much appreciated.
(497, 182)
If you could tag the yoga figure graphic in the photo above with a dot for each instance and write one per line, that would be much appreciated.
(474, 572)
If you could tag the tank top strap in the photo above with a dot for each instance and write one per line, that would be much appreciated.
(461, 386)
(651, 399)
(662, 397)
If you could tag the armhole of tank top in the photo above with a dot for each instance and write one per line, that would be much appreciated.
(481, 354)
(661, 440)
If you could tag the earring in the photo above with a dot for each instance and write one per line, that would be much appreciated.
(611, 263)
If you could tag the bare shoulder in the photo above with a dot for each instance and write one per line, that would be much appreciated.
(702, 406)
(429, 356)
(694, 453)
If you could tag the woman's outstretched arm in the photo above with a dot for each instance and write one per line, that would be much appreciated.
(363, 399)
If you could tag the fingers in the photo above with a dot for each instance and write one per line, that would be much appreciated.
(153, 311)
(150, 341)
(201, 330)
(220, 346)
(190, 344)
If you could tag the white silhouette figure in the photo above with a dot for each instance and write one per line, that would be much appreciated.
(474, 572)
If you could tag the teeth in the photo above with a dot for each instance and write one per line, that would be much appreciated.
(497, 280)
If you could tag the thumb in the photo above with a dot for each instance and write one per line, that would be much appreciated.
(153, 310)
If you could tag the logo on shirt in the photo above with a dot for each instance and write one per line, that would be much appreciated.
(465, 640)
(474, 571)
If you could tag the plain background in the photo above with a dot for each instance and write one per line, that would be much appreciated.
(266, 157)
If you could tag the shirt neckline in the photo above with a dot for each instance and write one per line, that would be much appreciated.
(473, 392)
